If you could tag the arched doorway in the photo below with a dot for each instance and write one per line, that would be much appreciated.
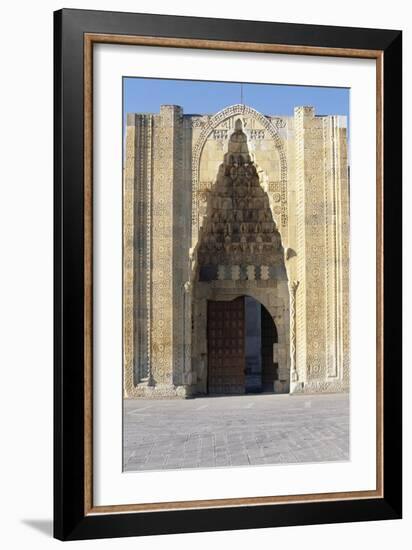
(241, 335)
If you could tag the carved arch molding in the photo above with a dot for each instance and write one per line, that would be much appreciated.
(214, 121)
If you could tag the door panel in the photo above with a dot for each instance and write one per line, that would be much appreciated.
(226, 346)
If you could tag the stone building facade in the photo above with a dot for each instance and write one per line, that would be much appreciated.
(221, 211)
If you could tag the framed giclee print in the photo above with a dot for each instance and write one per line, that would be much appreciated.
(227, 274)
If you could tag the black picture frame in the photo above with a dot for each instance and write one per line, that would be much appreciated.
(71, 522)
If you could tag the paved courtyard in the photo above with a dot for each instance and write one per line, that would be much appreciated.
(235, 431)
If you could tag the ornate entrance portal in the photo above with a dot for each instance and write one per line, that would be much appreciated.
(228, 205)
(240, 253)
(241, 266)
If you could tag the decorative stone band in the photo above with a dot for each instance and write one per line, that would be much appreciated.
(321, 386)
(242, 272)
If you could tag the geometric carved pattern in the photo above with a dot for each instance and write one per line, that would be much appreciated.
(142, 238)
(315, 282)
(128, 259)
(162, 305)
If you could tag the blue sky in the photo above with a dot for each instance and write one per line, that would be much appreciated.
(145, 95)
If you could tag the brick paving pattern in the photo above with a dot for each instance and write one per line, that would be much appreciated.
(235, 431)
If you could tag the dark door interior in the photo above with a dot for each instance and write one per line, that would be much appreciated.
(269, 337)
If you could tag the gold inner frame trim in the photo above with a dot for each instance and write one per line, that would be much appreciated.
(89, 40)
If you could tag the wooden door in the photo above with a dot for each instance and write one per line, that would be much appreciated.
(226, 346)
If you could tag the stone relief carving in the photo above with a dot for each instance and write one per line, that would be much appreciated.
(278, 122)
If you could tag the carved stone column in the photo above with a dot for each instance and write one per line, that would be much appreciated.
(187, 333)
(293, 287)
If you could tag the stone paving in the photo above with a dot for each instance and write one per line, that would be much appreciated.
(235, 431)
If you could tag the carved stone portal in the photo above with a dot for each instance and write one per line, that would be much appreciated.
(240, 254)
(235, 204)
